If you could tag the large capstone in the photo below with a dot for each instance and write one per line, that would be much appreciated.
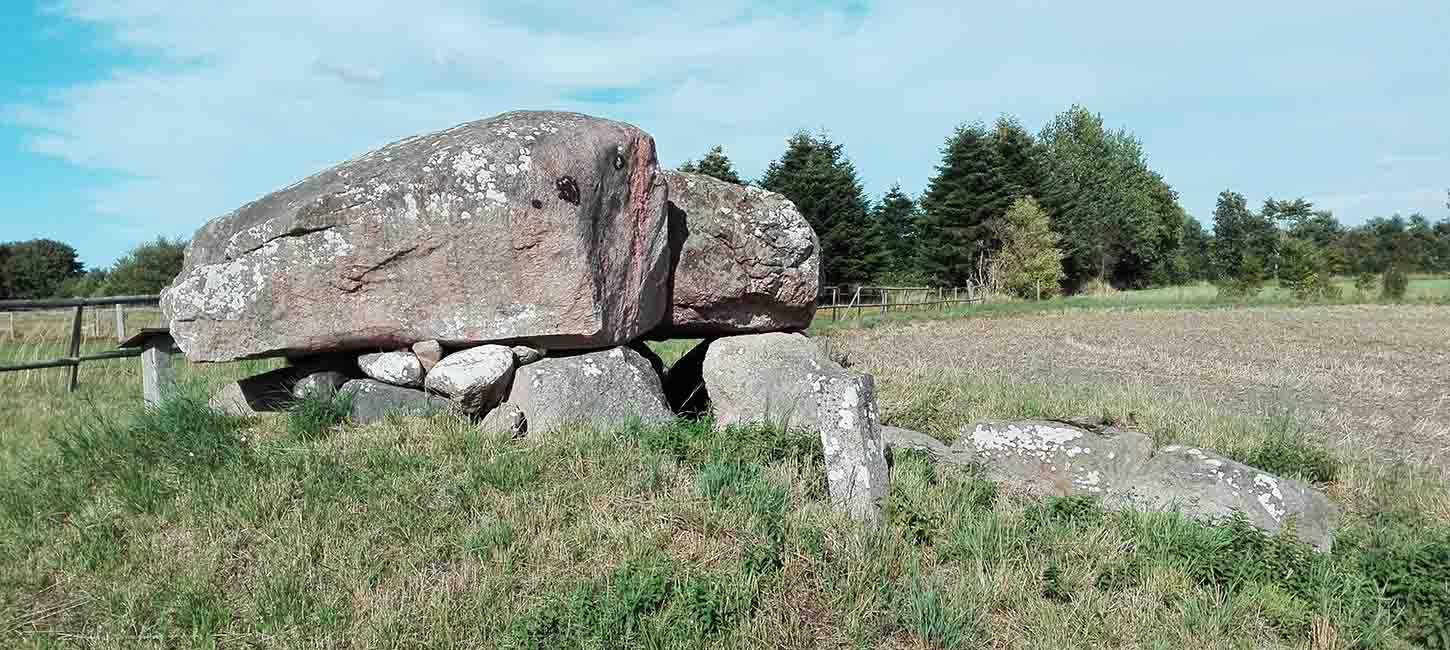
(745, 260)
(605, 388)
(532, 227)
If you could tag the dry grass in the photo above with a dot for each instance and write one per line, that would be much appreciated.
(1365, 377)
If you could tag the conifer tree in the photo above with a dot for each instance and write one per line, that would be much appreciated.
(816, 175)
(895, 218)
(958, 207)
(716, 164)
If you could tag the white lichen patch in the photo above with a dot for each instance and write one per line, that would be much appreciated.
(1038, 440)
(1269, 496)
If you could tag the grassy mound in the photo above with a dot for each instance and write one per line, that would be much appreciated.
(177, 527)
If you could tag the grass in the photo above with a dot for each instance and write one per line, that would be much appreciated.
(1203, 296)
(176, 528)
(179, 527)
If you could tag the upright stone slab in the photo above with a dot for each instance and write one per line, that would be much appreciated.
(399, 368)
(532, 227)
(765, 378)
(477, 378)
(786, 380)
(745, 260)
(849, 422)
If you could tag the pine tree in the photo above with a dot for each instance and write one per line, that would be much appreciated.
(957, 208)
(716, 164)
(816, 175)
(1028, 264)
(894, 218)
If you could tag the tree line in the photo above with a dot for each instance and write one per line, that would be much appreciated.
(45, 268)
(1073, 204)
(1032, 214)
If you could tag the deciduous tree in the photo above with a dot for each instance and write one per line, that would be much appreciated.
(1028, 263)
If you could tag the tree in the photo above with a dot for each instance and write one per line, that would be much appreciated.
(1109, 207)
(147, 269)
(1244, 242)
(816, 175)
(37, 268)
(1303, 269)
(958, 207)
(1028, 264)
(1195, 255)
(895, 219)
(716, 164)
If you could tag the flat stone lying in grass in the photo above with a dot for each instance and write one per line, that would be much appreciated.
(319, 385)
(1056, 459)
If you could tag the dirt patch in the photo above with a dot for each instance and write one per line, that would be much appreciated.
(1374, 376)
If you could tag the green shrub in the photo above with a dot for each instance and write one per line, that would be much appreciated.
(1304, 271)
(1366, 281)
(312, 417)
(1240, 289)
(1394, 284)
(1411, 566)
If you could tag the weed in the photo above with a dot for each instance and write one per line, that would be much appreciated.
(930, 616)
(492, 537)
(1054, 586)
(311, 417)
(1287, 451)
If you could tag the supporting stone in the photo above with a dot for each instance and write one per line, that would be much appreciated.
(157, 375)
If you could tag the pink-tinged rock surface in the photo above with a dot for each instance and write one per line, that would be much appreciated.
(530, 227)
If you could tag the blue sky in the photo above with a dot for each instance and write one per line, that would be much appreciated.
(121, 120)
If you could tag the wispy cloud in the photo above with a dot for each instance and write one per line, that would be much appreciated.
(237, 99)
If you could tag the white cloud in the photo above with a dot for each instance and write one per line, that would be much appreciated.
(242, 98)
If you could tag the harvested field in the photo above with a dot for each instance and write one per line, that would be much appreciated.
(1371, 377)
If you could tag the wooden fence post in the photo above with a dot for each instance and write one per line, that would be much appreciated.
(12, 326)
(120, 322)
(835, 304)
(75, 347)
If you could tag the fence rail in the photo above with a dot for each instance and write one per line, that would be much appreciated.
(863, 300)
(74, 358)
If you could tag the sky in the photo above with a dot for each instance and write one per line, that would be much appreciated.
(124, 120)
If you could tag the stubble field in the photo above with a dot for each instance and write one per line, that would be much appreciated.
(1358, 377)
